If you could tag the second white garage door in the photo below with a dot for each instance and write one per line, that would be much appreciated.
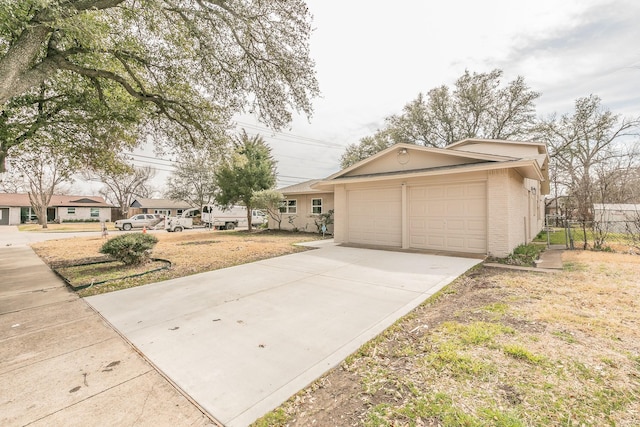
(375, 216)
(451, 217)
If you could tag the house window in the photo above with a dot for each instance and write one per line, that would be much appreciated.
(179, 212)
(316, 206)
(95, 213)
(71, 211)
(289, 206)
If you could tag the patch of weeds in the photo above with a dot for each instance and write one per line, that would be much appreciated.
(448, 359)
(609, 400)
(565, 336)
(523, 255)
(609, 362)
(499, 308)
(499, 418)
(574, 266)
(585, 373)
(200, 242)
(475, 333)
(438, 406)
(519, 352)
(374, 380)
(406, 350)
(376, 417)
(276, 418)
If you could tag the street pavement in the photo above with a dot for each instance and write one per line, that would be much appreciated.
(61, 364)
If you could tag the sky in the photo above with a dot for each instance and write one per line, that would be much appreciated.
(372, 58)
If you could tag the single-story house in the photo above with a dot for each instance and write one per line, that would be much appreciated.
(303, 206)
(475, 196)
(617, 217)
(16, 209)
(166, 207)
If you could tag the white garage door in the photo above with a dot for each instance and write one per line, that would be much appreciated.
(374, 216)
(451, 217)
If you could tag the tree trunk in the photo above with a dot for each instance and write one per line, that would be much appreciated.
(249, 218)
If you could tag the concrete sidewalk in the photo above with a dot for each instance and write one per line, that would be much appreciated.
(60, 364)
(242, 340)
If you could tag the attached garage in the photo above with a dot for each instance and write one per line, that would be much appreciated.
(374, 216)
(4, 216)
(449, 217)
(472, 197)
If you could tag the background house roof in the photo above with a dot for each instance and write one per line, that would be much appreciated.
(160, 204)
(301, 188)
(22, 200)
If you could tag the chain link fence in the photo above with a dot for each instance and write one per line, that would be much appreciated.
(620, 236)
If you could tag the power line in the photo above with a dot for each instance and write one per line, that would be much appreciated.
(290, 135)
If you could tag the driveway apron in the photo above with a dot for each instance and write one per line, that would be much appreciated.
(242, 340)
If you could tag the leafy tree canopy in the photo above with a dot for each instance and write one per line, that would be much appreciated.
(176, 69)
(250, 170)
(194, 180)
(478, 106)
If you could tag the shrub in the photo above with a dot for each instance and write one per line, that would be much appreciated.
(130, 248)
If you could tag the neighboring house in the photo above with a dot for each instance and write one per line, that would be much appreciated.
(302, 207)
(616, 217)
(474, 196)
(16, 209)
(166, 207)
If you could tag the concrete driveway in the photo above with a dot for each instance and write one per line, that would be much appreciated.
(242, 340)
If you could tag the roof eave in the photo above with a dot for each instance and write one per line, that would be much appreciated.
(526, 168)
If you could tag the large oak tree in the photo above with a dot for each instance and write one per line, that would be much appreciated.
(478, 106)
(177, 69)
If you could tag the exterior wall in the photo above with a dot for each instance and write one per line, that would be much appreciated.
(516, 212)
(498, 212)
(303, 219)
(340, 223)
(82, 213)
(519, 223)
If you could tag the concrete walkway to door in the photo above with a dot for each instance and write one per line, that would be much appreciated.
(242, 340)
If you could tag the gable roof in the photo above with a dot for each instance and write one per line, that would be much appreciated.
(469, 143)
(22, 200)
(159, 204)
(301, 188)
(529, 159)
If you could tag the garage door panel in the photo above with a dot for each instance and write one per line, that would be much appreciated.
(454, 214)
(374, 216)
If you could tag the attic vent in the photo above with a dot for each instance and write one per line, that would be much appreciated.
(85, 200)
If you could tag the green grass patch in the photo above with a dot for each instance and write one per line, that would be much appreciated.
(276, 418)
(448, 358)
(557, 236)
(475, 333)
(497, 308)
(86, 274)
(519, 352)
(438, 405)
(499, 418)
(565, 336)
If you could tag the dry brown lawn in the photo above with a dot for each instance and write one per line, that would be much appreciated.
(496, 348)
(189, 252)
